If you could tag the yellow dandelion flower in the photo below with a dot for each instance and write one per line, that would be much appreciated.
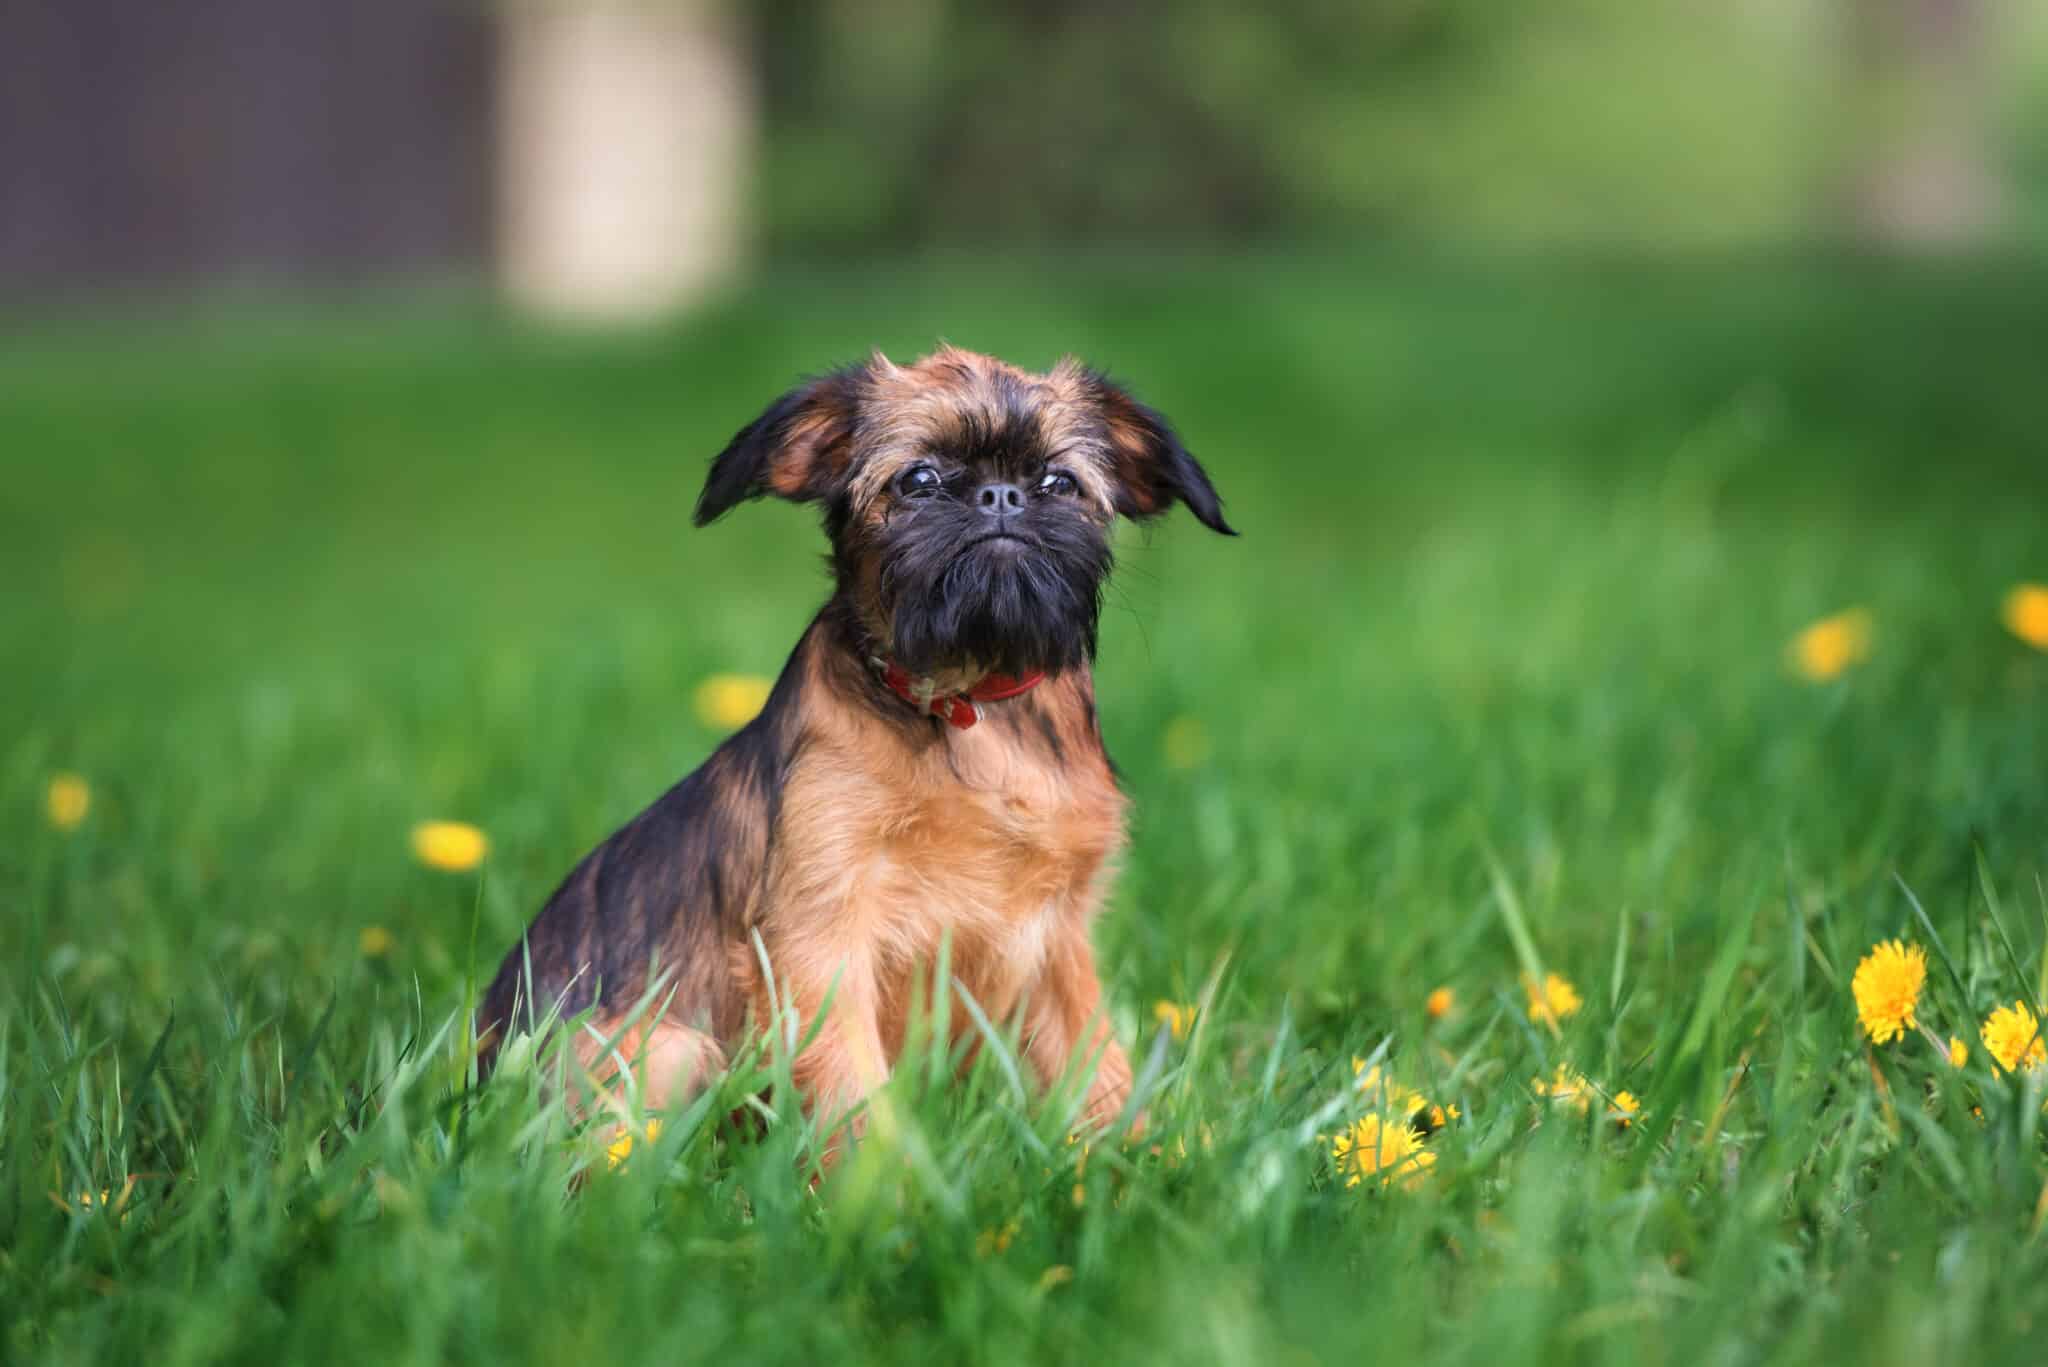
(374, 942)
(1185, 743)
(450, 846)
(107, 1199)
(1178, 1017)
(1887, 987)
(2025, 614)
(2013, 1037)
(1059, 1274)
(995, 1239)
(1624, 1109)
(1566, 1087)
(1440, 1003)
(1205, 1136)
(1383, 1093)
(1958, 1053)
(1551, 1002)
(67, 800)
(621, 1148)
(1828, 647)
(1372, 1148)
(732, 700)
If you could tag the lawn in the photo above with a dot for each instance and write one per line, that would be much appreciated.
(1495, 680)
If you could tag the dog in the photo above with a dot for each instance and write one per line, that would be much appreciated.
(927, 767)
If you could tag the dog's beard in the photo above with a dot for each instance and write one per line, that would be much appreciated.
(1010, 607)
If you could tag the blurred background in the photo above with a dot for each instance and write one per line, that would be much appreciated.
(1559, 360)
(614, 158)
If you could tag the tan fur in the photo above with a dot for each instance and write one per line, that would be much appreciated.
(665, 1060)
(980, 840)
(985, 839)
(931, 399)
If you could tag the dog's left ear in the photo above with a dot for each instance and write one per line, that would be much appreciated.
(799, 449)
(1152, 467)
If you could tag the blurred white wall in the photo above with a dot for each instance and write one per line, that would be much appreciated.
(627, 131)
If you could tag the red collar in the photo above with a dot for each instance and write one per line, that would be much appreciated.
(957, 708)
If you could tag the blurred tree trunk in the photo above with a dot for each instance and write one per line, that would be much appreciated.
(1927, 171)
(626, 140)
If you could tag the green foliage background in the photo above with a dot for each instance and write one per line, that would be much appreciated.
(1646, 123)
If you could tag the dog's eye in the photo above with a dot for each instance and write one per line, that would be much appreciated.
(1057, 482)
(919, 481)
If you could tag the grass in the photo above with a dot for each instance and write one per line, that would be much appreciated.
(1495, 676)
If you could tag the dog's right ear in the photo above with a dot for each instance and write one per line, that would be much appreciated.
(799, 449)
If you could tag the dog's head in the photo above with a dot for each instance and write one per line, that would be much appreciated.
(969, 503)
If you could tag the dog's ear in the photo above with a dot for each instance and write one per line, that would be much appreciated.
(799, 449)
(1151, 466)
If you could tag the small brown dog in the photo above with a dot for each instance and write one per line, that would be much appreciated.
(928, 764)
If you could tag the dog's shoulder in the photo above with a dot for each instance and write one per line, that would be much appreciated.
(668, 890)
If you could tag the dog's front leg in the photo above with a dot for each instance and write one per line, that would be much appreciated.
(1066, 1024)
(837, 1009)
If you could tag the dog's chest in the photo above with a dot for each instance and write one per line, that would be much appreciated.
(1006, 863)
(993, 848)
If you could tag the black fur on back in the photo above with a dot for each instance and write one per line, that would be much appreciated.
(667, 891)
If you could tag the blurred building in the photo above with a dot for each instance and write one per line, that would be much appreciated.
(266, 139)
(596, 151)
(607, 158)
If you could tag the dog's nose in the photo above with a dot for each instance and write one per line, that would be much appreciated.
(1000, 500)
